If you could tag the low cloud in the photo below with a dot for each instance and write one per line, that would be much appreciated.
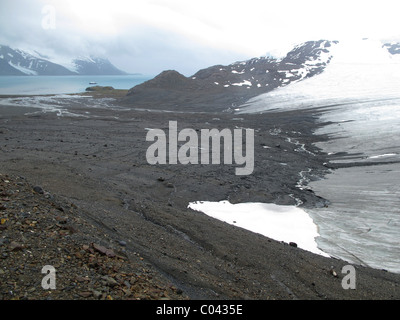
(152, 36)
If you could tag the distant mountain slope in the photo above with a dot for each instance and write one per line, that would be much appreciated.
(8, 70)
(19, 62)
(225, 87)
(14, 61)
(95, 66)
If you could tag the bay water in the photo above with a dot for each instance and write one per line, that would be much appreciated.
(37, 85)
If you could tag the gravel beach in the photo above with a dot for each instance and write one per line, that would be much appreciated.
(99, 195)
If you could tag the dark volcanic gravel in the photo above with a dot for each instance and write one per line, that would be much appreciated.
(95, 168)
(37, 231)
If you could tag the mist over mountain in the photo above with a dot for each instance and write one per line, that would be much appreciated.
(20, 62)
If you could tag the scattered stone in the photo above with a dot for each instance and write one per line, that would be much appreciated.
(122, 243)
(5, 194)
(34, 232)
(104, 250)
(38, 189)
(15, 246)
(61, 220)
(48, 195)
(97, 294)
(86, 294)
(293, 244)
(109, 281)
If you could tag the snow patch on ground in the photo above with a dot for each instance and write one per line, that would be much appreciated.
(282, 223)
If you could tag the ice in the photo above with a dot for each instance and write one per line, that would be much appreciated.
(359, 99)
(362, 223)
(282, 223)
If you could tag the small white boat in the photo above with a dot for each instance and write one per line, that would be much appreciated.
(92, 82)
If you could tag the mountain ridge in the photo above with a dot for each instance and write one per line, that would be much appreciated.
(23, 63)
(225, 87)
(222, 87)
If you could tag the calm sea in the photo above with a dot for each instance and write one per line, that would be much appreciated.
(31, 85)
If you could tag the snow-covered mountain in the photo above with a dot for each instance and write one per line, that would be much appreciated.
(359, 69)
(18, 62)
(21, 62)
(94, 66)
(227, 87)
(303, 61)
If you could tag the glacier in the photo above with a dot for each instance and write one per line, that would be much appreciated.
(357, 99)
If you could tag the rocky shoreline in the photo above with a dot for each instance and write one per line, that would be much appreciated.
(94, 168)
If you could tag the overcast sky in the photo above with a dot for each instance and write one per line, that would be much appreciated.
(149, 36)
